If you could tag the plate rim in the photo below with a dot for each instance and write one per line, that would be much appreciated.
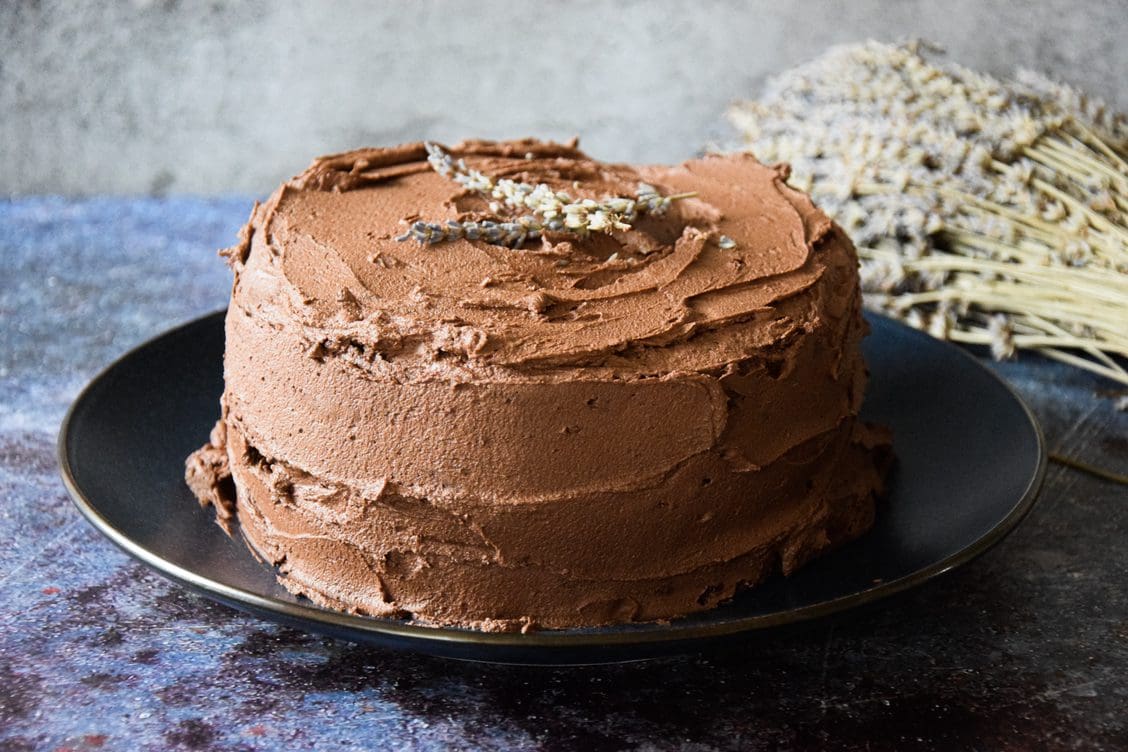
(549, 639)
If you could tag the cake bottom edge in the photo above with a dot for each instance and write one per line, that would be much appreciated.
(475, 595)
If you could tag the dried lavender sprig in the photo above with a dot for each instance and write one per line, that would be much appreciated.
(556, 209)
(541, 199)
(512, 234)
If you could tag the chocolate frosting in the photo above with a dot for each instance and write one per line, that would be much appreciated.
(577, 432)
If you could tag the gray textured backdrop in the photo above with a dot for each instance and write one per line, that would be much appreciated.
(151, 97)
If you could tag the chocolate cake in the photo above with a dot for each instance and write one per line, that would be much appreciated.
(598, 425)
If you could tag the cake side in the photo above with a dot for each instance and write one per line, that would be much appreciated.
(627, 427)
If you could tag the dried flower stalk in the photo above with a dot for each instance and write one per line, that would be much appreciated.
(984, 211)
(552, 210)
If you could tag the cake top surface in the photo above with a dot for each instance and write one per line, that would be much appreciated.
(741, 243)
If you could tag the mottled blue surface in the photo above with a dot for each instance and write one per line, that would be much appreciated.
(1027, 648)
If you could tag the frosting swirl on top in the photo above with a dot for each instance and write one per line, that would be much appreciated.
(557, 301)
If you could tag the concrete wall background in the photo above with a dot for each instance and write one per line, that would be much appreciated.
(157, 97)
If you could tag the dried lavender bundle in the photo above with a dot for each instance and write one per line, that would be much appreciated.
(985, 211)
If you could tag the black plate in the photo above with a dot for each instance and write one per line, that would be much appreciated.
(970, 462)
